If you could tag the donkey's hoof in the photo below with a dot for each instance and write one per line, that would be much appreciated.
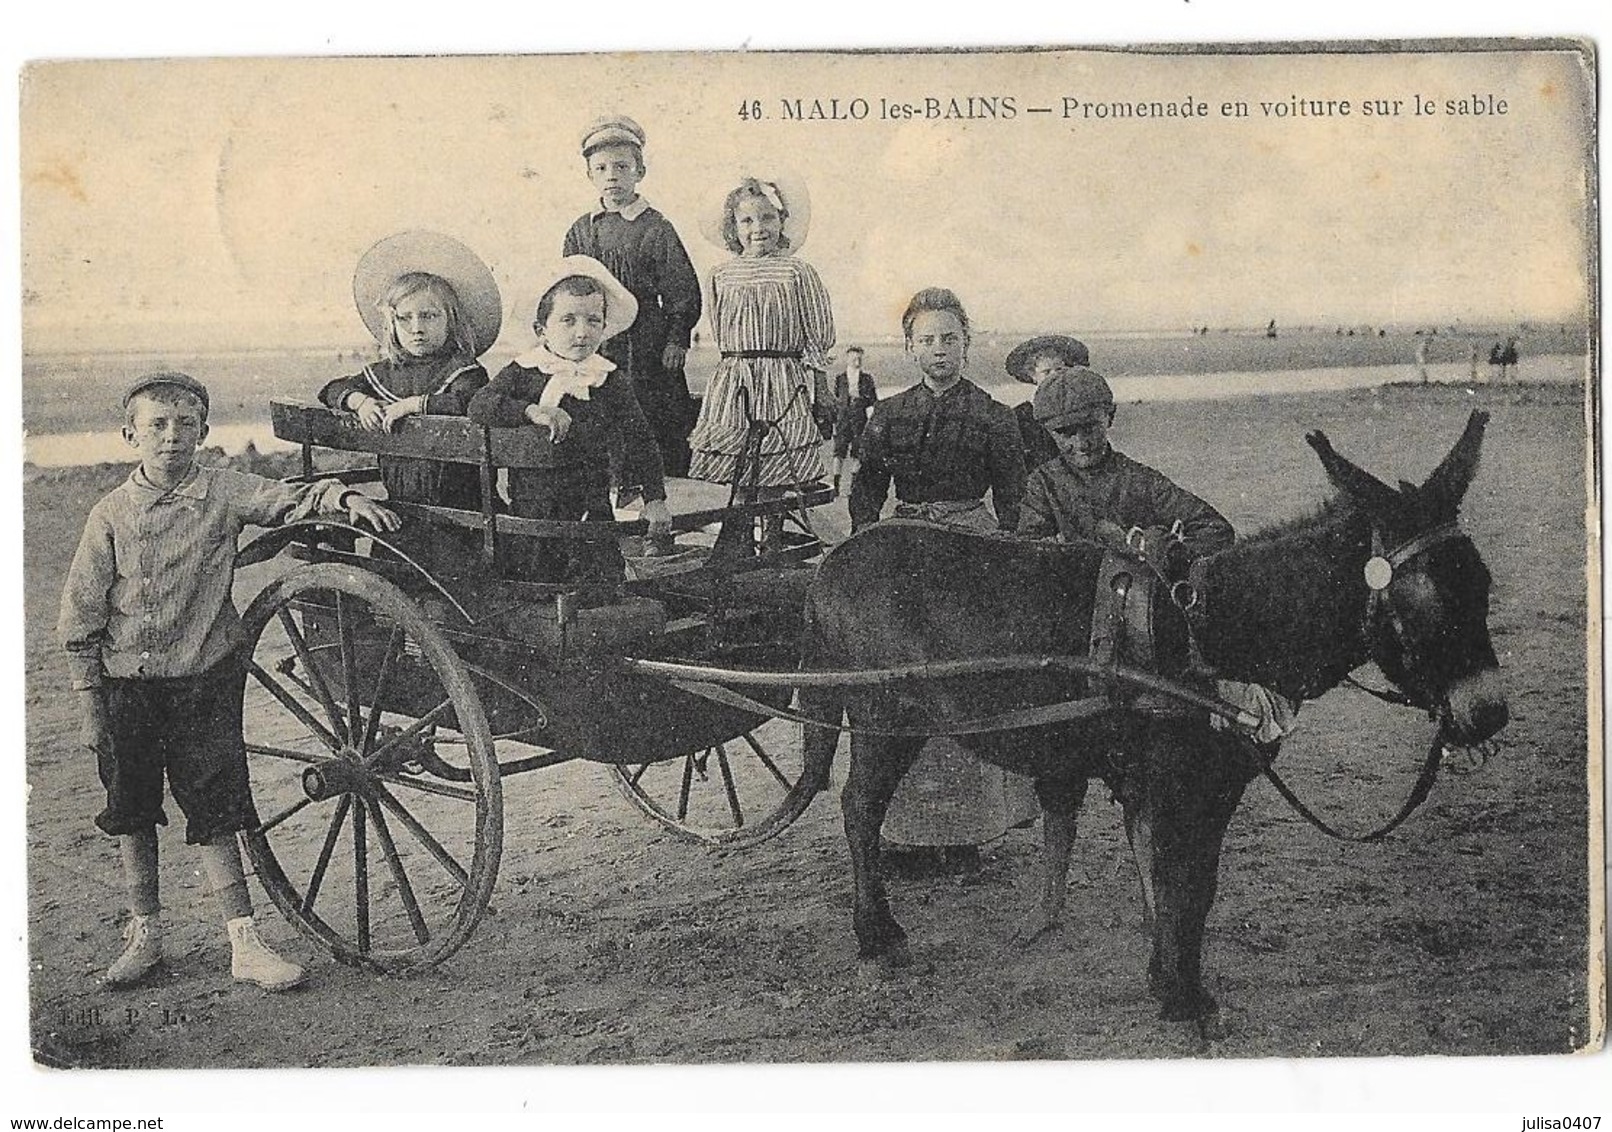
(1212, 1027)
(1034, 926)
(1188, 1008)
(886, 965)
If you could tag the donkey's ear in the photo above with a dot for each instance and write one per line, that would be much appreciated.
(1449, 481)
(1361, 485)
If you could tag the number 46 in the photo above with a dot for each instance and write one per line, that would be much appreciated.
(750, 110)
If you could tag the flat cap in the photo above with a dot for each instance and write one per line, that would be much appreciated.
(179, 380)
(613, 129)
(1073, 397)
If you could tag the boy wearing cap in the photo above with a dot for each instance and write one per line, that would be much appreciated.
(1033, 361)
(1093, 491)
(640, 248)
(152, 638)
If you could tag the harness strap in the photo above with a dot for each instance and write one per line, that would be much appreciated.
(1005, 721)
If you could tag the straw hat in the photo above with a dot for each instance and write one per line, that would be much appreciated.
(787, 189)
(1023, 356)
(442, 256)
(621, 308)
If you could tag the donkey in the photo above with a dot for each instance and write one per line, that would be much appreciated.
(1377, 573)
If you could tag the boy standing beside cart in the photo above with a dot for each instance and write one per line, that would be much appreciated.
(152, 638)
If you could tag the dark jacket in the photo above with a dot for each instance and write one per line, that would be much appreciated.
(647, 256)
(1064, 500)
(611, 410)
(447, 383)
(956, 446)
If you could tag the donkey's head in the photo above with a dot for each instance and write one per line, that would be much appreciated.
(1427, 619)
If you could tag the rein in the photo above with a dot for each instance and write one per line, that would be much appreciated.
(1379, 574)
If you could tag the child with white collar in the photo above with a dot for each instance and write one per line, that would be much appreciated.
(565, 385)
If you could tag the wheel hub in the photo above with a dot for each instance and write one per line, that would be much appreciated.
(334, 777)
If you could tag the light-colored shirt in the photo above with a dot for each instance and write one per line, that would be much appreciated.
(148, 593)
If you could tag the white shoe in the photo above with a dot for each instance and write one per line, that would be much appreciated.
(253, 961)
(144, 951)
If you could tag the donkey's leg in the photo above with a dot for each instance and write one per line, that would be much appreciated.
(1060, 806)
(1195, 781)
(877, 766)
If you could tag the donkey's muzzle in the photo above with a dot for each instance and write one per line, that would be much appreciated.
(1476, 708)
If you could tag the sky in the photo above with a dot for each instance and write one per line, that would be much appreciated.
(180, 203)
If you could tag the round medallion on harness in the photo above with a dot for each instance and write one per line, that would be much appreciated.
(1378, 572)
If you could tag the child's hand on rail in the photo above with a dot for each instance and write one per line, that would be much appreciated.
(556, 420)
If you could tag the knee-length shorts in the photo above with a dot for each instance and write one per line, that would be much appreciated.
(189, 729)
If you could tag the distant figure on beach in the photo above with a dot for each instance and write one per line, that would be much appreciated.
(1508, 360)
(1270, 329)
(853, 397)
(1475, 353)
(1421, 357)
(1496, 365)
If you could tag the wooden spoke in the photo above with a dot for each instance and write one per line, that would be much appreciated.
(423, 836)
(349, 663)
(317, 877)
(361, 876)
(284, 753)
(393, 645)
(426, 785)
(415, 728)
(405, 891)
(289, 702)
(294, 808)
(727, 785)
(316, 679)
(767, 762)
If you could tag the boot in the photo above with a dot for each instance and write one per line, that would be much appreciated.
(253, 961)
(144, 951)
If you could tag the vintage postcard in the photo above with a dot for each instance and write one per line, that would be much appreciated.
(1118, 418)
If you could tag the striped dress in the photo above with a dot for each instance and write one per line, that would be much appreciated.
(773, 323)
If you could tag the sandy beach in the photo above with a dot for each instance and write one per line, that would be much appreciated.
(609, 941)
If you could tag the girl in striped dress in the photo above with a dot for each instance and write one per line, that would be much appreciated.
(774, 327)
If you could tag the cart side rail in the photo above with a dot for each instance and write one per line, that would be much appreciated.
(459, 440)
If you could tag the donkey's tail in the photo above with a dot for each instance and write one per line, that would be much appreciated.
(820, 743)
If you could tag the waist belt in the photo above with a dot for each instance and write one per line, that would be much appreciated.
(761, 353)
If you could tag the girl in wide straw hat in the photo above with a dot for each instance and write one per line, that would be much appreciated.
(774, 326)
(587, 406)
(433, 308)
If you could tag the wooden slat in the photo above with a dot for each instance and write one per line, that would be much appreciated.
(455, 440)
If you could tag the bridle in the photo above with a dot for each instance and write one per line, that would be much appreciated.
(1382, 616)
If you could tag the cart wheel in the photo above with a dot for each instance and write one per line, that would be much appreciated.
(349, 690)
(732, 795)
